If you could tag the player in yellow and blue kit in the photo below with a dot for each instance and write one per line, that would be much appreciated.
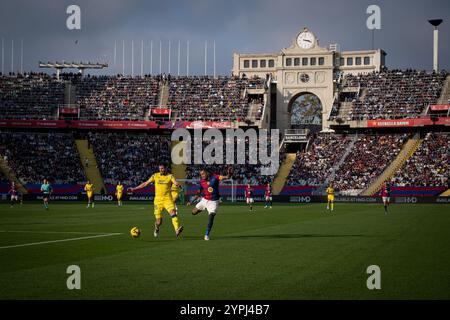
(119, 193)
(163, 198)
(330, 197)
(89, 188)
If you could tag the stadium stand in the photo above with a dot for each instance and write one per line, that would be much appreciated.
(393, 94)
(115, 98)
(210, 99)
(35, 156)
(312, 167)
(351, 161)
(129, 157)
(30, 96)
(370, 155)
(243, 174)
(429, 165)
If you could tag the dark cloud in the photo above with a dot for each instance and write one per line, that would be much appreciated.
(235, 25)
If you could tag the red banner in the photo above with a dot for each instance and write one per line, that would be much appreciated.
(197, 124)
(440, 107)
(91, 124)
(33, 123)
(161, 111)
(65, 110)
(97, 124)
(417, 122)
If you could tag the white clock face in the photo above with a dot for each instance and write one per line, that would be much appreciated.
(305, 40)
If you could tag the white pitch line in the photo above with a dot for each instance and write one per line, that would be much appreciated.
(53, 232)
(62, 240)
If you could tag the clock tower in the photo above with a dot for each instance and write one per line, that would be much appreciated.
(305, 68)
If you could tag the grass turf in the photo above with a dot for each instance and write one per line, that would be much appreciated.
(289, 252)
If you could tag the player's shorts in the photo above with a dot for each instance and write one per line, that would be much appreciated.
(45, 196)
(89, 194)
(211, 205)
(163, 204)
(250, 200)
(14, 198)
(268, 198)
(386, 199)
(119, 195)
(330, 197)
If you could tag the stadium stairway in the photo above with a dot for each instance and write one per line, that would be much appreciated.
(178, 170)
(444, 98)
(407, 151)
(91, 170)
(283, 173)
(340, 162)
(11, 176)
(164, 96)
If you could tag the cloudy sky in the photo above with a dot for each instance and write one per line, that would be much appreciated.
(235, 26)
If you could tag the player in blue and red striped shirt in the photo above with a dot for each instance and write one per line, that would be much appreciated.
(209, 187)
(14, 194)
(268, 196)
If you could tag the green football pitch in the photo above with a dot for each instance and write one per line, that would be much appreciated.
(288, 252)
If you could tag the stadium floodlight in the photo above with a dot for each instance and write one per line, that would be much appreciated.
(435, 23)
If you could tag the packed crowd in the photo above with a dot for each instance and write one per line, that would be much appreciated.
(129, 157)
(242, 173)
(38, 95)
(313, 166)
(30, 96)
(394, 94)
(368, 158)
(210, 99)
(116, 98)
(429, 165)
(35, 156)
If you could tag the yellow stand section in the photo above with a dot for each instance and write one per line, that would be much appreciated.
(90, 168)
(283, 173)
(407, 151)
(11, 176)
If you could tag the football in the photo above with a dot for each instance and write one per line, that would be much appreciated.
(135, 232)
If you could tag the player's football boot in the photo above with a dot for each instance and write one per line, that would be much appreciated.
(206, 238)
(179, 231)
(156, 232)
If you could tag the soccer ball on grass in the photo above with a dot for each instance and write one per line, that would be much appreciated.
(135, 232)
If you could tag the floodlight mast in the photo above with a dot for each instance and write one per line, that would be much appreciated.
(80, 66)
(435, 23)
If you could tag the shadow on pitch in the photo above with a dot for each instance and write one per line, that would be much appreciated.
(261, 236)
(290, 236)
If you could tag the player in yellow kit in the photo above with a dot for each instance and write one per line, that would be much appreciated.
(330, 197)
(89, 188)
(175, 192)
(119, 193)
(163, 198)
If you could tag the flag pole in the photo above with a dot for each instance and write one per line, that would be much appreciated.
(151, 57)
(187, 58)
(179, 51)
(142, 58)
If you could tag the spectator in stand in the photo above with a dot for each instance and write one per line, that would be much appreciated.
(393, 94)
(370, 155)
(129, 157)
(38, 156)
(429, 165)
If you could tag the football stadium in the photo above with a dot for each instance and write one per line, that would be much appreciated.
(172, 168)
